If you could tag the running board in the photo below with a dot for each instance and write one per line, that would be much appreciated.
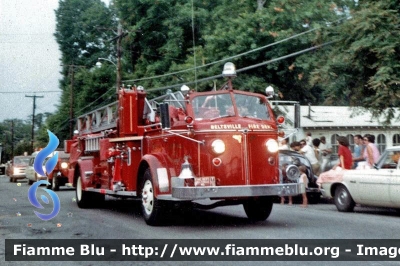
(111, 192)
(217, 204)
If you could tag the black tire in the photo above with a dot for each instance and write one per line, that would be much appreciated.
(30, 182)
(12, 180)
(258, 209)
(343, 200)
(49, 181)
(313, 198)
(55, 185)
(151, 207)
(86, 199)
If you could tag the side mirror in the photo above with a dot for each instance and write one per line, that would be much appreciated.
(164, 113)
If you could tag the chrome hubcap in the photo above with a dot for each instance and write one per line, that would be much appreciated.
(78, 189)
(342, 197)
(148, 197)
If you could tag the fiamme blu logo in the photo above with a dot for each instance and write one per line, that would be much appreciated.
(39, 165)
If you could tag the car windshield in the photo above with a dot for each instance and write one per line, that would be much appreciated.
(389, 159)
(23, 161)
(221, 105)
(292, 159)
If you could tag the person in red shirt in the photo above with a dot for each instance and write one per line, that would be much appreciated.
(345, 157)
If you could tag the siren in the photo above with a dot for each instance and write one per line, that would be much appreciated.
(186, 170)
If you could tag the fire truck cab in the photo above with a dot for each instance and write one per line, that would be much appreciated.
(181, 147)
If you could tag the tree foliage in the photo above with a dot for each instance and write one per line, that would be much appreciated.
(362, 69)
(83, 31)
(15, 137)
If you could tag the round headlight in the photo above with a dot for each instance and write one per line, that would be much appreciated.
(64, 165)
(272, 145)
(218, 146)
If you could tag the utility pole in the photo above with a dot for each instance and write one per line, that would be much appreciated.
(12, 138)
(33, 117)
(71, 104)
(71, 71)
(120, 36)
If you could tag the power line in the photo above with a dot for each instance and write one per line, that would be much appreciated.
(30, 91)
(247, 68)
(234, 56)
(225, 59)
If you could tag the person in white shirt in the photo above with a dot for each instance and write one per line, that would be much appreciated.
(326, 151)
(309, 139)
(283, 145)
(310, 155)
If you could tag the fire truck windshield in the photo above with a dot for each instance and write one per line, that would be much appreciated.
(251, 106)
(221, 105)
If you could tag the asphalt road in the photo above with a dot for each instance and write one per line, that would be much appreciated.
(120, 219)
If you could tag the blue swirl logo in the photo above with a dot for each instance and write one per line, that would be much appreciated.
(49, 166)
(32, 198)
(42, 155)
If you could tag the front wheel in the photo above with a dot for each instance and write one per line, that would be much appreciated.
(258, 209)
(151, 207)
(343, 200)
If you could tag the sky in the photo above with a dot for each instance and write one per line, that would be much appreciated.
(29, 58)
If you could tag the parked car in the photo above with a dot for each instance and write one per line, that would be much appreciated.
(16, 168)
(288, 157)
(59, 176)
(378, 186)
(30, 172)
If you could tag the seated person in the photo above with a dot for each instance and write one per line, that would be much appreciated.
(395, 158)
(243, 111)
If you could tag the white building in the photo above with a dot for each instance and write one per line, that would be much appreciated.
(334, 121)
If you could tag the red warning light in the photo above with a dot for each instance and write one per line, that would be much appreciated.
(280, 119)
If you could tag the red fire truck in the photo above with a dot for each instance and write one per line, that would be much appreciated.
(183, 147)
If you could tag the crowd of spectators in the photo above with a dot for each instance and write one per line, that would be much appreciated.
(318, 151)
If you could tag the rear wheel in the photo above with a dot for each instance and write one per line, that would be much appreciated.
(86, 199)
(343, 200)
(30, 182)
(55, 185)
(151, 207)
(49, 181)
(258, 209)
(313, 198)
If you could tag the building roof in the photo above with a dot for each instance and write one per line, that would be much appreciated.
(336, 116)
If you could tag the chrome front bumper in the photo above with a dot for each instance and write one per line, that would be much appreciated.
(179, 191)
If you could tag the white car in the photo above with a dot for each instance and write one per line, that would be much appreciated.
(378, 186)
(30, 172)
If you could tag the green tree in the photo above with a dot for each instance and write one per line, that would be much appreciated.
(15, 136)
(362, 68)
(162, 34)
(83, 31)
(160, 37)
